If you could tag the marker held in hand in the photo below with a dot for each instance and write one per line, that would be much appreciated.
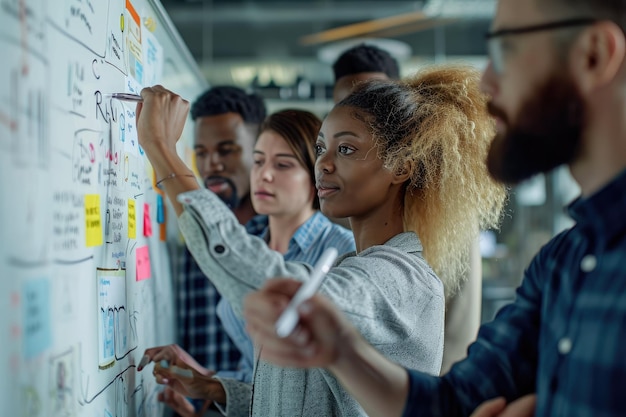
(288, 320)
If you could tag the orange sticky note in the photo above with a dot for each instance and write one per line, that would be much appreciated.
(143, 263)
(93, 220)
(132, 223)
(147, 222)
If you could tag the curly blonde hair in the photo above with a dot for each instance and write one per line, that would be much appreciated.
(435, 123)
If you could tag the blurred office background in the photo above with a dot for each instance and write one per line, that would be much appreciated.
(284, 51)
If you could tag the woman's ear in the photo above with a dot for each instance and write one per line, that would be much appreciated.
(403, 173)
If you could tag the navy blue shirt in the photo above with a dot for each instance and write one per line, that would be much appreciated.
(564, 337)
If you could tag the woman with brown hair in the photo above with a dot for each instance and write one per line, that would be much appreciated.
(282, 188)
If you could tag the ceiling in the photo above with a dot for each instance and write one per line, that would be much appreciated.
(261, 41)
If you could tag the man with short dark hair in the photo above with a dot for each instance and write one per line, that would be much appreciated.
(557, 81)
(360, 63)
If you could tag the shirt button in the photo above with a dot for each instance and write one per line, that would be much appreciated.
(219, 249)
(565, 345)
(588, 263)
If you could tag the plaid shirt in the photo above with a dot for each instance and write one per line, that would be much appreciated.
(565, 334)
(201, 333)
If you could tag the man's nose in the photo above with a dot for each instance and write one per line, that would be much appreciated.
(215, 163)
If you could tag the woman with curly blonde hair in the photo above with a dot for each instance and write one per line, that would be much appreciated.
(436, 123)
(405, 162)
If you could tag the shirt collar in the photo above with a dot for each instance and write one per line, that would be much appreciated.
(308, 233)
(305, 236)
(603, 211)
(406, 241)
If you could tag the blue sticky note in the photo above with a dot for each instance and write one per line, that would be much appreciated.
(37, 331)
(160, 211)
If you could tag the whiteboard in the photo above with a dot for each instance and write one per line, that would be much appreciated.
(85, 276)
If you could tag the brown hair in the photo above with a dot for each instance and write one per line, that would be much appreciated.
(299, 128)
(436, 123)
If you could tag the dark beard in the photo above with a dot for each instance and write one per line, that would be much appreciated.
(233, 201)
(546, 134)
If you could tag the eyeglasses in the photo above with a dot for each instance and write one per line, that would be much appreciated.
(494, 39)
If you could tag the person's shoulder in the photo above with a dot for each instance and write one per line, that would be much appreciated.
(401, 251)
(397, 264)
(405, 243)
(554, 257)
(557, 245)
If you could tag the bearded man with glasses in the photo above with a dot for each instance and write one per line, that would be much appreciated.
(557, 83)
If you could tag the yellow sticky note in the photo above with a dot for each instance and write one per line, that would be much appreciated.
(93, 220)
(132, 223)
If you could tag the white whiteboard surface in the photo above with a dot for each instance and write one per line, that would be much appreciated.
(85, 275)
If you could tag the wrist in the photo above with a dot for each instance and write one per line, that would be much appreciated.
(165, 161)
(154, 147)
(170, 176)
(215, 391)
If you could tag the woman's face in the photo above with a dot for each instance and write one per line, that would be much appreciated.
(350, 177)
(280, 185)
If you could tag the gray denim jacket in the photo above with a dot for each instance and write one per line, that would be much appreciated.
(388, 292)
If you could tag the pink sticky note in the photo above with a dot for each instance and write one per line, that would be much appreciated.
(143, 263)
(147, 223)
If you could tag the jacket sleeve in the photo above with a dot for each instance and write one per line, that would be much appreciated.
(236, 262)
(238, 398)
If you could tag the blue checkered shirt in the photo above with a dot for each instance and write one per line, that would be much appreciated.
(564, 337)
(200, 331)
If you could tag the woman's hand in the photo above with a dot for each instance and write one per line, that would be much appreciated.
(161, 118)
(177, 369)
